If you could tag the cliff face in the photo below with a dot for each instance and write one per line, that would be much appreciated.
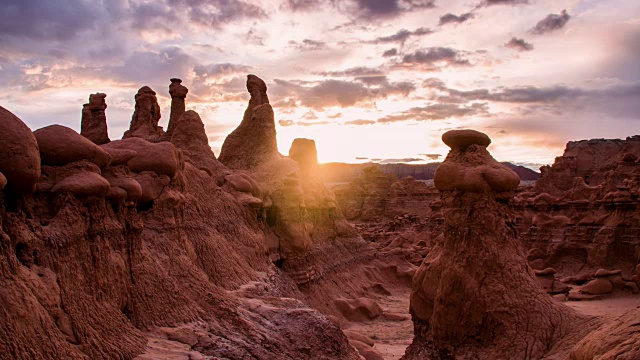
(583, 212)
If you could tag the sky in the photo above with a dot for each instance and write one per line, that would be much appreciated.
(368, 80)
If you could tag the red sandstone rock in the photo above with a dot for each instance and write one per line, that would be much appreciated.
(361, 309)
(83, 184)
(19, 155)
(94, 121)
(189, 136)
(60, 145)
(253, 142)
(144, 122)
(462, 139)
(178, 93)
(161, 158)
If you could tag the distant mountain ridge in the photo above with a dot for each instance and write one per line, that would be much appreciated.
(343, 172)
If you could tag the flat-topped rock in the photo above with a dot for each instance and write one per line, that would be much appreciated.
(19, 155)
(60, 145)
(462, 139)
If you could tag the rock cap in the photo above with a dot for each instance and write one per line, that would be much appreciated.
(462, 139)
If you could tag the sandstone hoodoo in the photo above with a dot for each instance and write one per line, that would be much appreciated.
(178, 94)
(144, 122)
(94, 121)
(253, 142)
(474, 296)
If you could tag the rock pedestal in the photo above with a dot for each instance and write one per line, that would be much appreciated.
(178, 93)
(474, 296)
(94, 120)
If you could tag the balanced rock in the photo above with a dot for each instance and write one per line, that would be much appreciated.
(60, 145)
(19, 155)
(462, 139)
(94, 120)
(144, 122)
(474, 297)
(253, 142)
(178, 93)
(470, 168)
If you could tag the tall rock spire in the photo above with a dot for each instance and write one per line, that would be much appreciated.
(94, 121)
(178, 94)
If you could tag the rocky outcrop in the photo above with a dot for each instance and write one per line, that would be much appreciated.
(19, 154)
(94, 121)
(178, 93)
(583, 212)
(253, 142)
(60, 145)
(474, 296)
(144, 123)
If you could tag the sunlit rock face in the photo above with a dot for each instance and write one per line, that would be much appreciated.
(310, 233)
(474, 296)
(94, 121)
(144, 122)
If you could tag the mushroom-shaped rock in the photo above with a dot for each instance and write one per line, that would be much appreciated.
(178, 93)
(253, 142)
(161, 158)
(474, 296)
(84, 183)
(60, 145)
(470, 168)
(19, 155)
(462, 139)
(189, 136)
(94, 121)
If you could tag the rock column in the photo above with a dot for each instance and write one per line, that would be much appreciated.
(144, 122)
(475, 296)
(94, 120)
(178, 93)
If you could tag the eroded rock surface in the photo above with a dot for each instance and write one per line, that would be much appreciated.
(144, 122)
(19, 154)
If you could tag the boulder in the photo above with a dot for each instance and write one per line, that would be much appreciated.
(19, 154)
(60, 145)
(598, 286)
(361, 309)
(462, 139)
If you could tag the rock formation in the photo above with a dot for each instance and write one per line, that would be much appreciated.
(144, 123)
(94, 121)
(304, 152)
(253, 142)
(474, 296)
(19, 154)
(190, 137)
(178, 93)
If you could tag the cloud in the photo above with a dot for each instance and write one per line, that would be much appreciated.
(390, 52)
(359, 122)
(354, 71)
(434, 58)
(432, 156)
(503, 2)
(390, 8)
(401, 36)
(455, 19)
(329, 93)
(437, 111)
(398, 161)
(519, 45)
(551, 23)
(308, 45)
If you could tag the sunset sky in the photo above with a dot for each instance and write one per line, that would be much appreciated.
(368, 80)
